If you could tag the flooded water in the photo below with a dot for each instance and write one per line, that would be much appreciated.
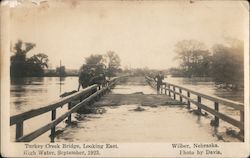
(206, 86)
(123, 124)
(34, 92)
(29, 93)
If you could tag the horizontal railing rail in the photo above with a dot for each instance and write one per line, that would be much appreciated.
(173, 90)
(233, 104)
(43, 109)
(85, 96)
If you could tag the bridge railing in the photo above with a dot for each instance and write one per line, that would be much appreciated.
(173, 90)
(85, 97)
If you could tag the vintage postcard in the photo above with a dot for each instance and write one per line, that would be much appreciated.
(84, 78)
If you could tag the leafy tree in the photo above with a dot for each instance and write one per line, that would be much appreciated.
(97, 67)
(92, 69)
(36, 64)
(228, 63)
(113, 63)
(194, 57)
(21, 66)
(95, 64)
(18, 66)
(40, 59)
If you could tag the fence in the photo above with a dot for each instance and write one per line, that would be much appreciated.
(85, 97)
(173, 90)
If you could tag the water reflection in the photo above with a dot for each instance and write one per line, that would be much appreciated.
(206, 86)
(27, 81)
(29, 93)
(32, 92)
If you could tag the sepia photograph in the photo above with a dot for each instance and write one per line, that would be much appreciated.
(126, 78)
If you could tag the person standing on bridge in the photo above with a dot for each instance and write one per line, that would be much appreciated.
(159, 78)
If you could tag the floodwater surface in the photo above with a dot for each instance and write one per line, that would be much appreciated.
(121, 123)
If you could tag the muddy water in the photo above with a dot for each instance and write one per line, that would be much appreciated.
(206, 86)
(129, 125)
(124, 123)
(34, 92)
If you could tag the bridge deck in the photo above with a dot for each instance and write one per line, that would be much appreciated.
(133, 112)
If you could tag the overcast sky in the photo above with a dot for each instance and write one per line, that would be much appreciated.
(142, 33)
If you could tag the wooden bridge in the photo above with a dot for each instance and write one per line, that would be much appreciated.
(91, 94)
(176, 90)
(85, 97)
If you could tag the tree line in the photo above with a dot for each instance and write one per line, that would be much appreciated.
(34, 66)
(22, 66)
(224, 62)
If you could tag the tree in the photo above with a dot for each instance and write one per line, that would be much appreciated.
(113, 63)
(194, 57)
(92, 69)
(97, 67)
(36, 64)
(95, 64)
(18, 66)
(21, 66)
(61, 71)
(228, 63)
(40, 59)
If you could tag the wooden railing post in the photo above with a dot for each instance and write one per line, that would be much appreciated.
(53, 129)
(242, 121)
(199, 101)
(19, 130)
(180, 90)
(188, 95)
(174, 92)
(165, 88)
(169, 92)
(216, 119)
(69, 117)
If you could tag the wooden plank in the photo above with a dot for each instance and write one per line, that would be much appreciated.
(216, 119)
(199, 101)
(226, 102)
(19, 130)
(174, 92)
(169, 92)
(165, 89)
(29, 137)
(35, 112)
(242, 115)
(233, 104)
(188, 95)
(53, 129)
(180, 91)
(224, 117)
(69, 117)
(45, 128)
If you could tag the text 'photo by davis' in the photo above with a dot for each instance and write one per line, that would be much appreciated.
(124, 78)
